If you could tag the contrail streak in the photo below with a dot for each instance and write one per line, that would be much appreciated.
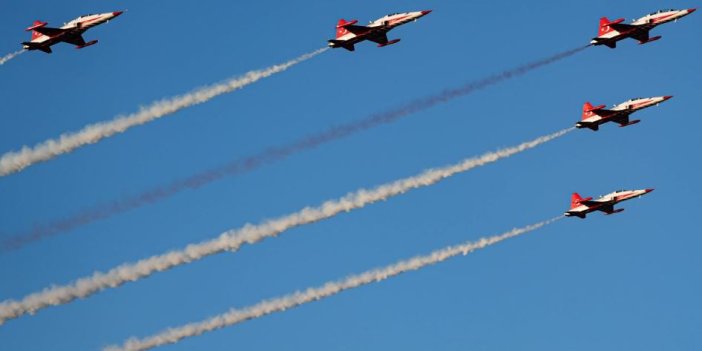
(9, 57)
(266, 307)
(232, 240)
(265, 157)
(15, 161)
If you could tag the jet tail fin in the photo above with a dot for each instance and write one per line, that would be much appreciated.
(35, 25)
(577, 200)
(606, 25)
(342, 27)
(587, 107)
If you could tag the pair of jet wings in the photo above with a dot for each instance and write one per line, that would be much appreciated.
(57, 34)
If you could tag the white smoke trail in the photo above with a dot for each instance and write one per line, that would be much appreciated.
(15, 161)
(236, 316)
(232, 240)
(9, 57)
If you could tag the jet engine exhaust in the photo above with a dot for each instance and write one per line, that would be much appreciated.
(273, 154)
(331, 288)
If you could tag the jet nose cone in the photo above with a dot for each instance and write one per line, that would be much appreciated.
(667, 97)
(691, 10)
(117, 13)
(649, 190)
(426, 12)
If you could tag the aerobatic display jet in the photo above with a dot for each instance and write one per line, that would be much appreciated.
(593, 116)
(348, 33)
(580, 207)
(613, 31)
(44, 37)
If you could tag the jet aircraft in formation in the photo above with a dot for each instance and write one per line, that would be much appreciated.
(613, 31)
(348, 33)
(44, 37)
(580, 207)
(594, 116)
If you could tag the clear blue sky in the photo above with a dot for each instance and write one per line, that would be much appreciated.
(625, 282)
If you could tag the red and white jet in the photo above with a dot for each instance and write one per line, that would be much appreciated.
(593, 116)
(580, 207)
(44, 37)
(613, 31)
(348, 33)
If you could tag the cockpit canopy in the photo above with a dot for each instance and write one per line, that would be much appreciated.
(661, 11)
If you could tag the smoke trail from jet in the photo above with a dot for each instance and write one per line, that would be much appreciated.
(9, 57)
(249, 234)
(280, 304)
(265, 157)
(15, 161)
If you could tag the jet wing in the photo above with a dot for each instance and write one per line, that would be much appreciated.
(48, 31)
(603, 112)
(621, 27)
(74, 39)
(621, 119)
(358, 30)
(641, 36)
(595, 204)
(379, 38)
(592, 203)
(609, 208)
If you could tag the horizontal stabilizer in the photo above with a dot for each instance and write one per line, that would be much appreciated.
(593, 108)
(617, 21)
(343, 24)
(37, 24)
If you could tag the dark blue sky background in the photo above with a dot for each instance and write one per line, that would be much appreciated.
(624, 282)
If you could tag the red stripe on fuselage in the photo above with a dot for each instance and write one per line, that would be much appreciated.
(640, 105)
(660, 19)
(93, 20)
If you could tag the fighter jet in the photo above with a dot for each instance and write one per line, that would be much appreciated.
(580, 207)
(613, 31)
(593, 116)
(348, 33)
(44, 37)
